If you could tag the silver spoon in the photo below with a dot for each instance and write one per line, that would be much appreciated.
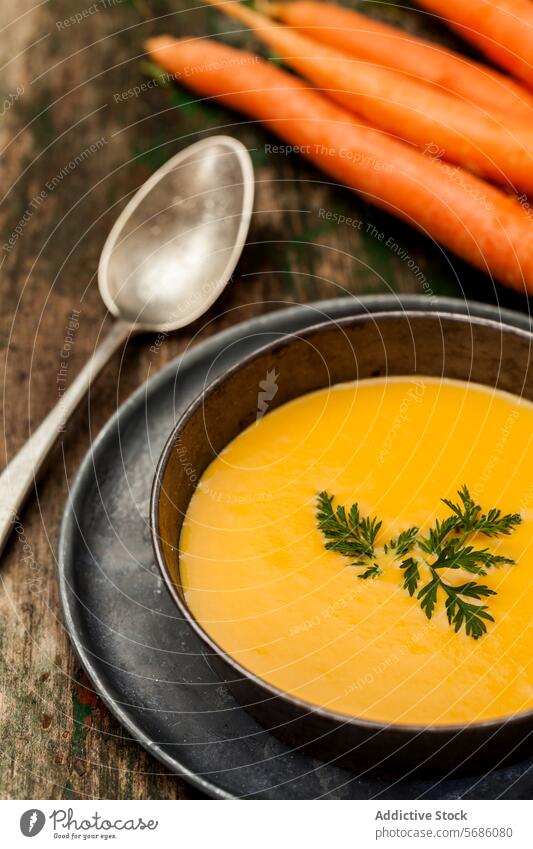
(167, 258)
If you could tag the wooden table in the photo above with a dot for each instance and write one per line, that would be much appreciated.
(77, 140)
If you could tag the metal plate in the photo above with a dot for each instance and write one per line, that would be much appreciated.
(143, 660)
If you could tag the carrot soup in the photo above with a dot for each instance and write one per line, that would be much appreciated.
(318, 551)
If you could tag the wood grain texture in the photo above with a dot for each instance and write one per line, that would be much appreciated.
(75, 143)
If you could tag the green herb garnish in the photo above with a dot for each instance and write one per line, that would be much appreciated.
(446, 545)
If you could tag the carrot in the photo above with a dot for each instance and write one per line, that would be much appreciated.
(472, 218)
(367, 38)
(411, 110)
(503, 29)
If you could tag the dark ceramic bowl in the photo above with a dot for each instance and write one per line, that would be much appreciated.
(404, 343)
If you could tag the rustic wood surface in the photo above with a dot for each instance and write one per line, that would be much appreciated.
(75, 142)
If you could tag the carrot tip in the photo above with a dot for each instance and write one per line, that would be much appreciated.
(158, 42)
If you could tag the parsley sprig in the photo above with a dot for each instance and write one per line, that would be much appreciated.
(348, 533)
(446, 545)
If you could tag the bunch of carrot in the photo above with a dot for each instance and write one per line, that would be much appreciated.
(415, 128)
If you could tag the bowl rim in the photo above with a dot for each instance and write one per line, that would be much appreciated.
(332, 716)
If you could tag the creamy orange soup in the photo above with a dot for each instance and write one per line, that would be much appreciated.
(259, 579)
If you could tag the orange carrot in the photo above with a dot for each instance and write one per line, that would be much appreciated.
(411, 110)
(503, 29)
(386, 45)
(472, 218)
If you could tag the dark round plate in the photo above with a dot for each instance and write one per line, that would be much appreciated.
(142, 658)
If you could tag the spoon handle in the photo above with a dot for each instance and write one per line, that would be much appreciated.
(20, 474)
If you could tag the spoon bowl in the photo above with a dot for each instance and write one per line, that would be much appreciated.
(176, 243)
